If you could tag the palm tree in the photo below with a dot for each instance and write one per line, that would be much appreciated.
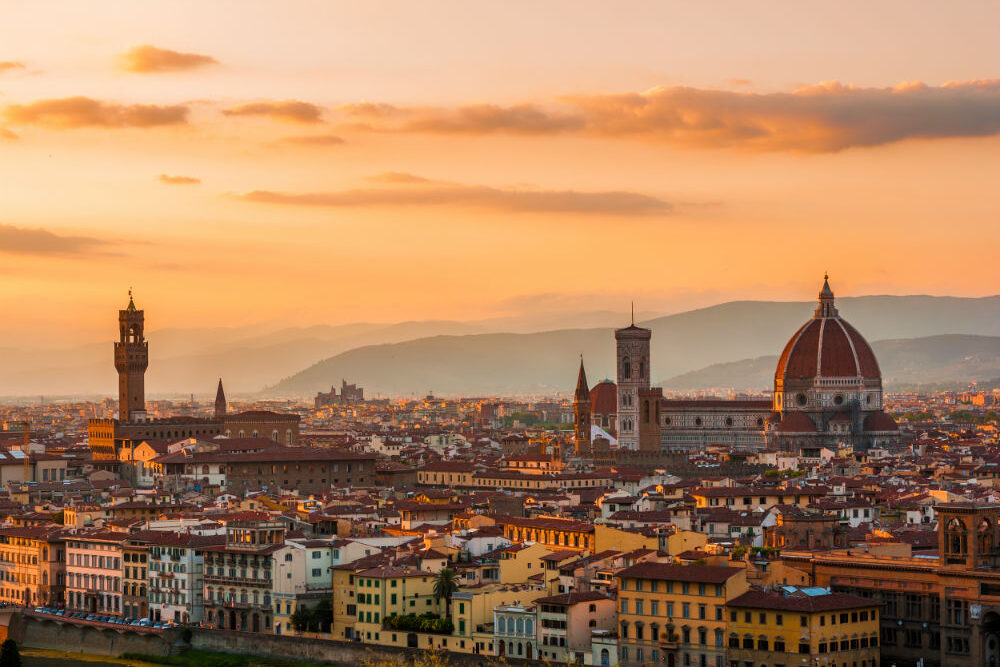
(445, 583)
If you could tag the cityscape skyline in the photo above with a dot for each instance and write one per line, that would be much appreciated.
(186, 156)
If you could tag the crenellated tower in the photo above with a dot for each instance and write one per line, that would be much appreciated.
(131, 361)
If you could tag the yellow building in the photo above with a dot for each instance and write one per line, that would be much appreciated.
(608, 538)
(390, 591)
(519, 563)
(551, 531)
(802, 626)
(32, 565)
(675, 614)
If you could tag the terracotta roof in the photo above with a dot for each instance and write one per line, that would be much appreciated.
(880, 421)
(712, 574)
(827, 346)
(796, 422)
(755, 599)
(572, 598)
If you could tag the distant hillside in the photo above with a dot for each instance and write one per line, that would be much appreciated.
(952, 358)
(247, 357)
(682, 343)
(528, 353)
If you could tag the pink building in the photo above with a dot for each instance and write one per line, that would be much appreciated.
(94, 572)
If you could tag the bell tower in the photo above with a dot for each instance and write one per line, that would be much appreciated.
(632, 344)
(131, 361)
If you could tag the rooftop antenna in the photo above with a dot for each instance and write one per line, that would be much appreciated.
(633, 313)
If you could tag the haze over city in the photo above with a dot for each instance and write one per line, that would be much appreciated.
(327, 163)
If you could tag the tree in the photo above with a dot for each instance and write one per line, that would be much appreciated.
(9, 655)
(445, 584)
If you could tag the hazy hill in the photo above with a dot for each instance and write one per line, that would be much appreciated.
(933, 359)
(247, 357)
(497, 354)
(682, 343)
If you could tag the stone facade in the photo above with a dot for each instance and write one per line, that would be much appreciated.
(632, 354)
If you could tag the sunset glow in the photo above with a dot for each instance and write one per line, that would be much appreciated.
(338, 162)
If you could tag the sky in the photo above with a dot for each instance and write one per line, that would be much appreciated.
(333, 162)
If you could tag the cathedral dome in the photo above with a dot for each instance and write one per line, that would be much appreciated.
(604, 398)
(827, 347)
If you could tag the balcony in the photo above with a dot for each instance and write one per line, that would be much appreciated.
(669, 643)
(244, 581)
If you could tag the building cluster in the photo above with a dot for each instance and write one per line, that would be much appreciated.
(828, 524)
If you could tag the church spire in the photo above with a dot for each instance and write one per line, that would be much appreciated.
(582, 388)
(220, 401)
(826, 307)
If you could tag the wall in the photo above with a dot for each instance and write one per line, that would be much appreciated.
(31, 632)
(350, 654)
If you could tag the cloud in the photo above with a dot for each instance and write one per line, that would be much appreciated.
(397, 177)
(20, 241)
(821, 118)
(285, 110)
(147, 59)
(434, 193)
(76, 112)
(9, 65)
(7, 134)
(178, 180)
(314, 140)
(739, 82)
(471, 119)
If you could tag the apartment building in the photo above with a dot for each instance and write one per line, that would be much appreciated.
(237, 576)
(32, 565)
(675, 613)
(794, 626)
(303, 575)
(94, 572)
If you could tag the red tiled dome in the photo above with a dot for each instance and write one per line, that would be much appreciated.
(796, 422)
(827, 346)
(604, 398)
(879, 421)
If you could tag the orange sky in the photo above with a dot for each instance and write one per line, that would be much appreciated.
(309, 162)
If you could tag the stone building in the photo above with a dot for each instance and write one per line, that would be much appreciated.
(238, 576)
(943, 610)
(131, 361)
(278, 426)
(632, 352)
(349, 394)
(828, 387)
(108, 437)
(690, 425)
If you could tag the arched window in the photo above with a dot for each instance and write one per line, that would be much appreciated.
(624, 629)
(642, 368)
(626, 367)
(957, 541)
(984, 537)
